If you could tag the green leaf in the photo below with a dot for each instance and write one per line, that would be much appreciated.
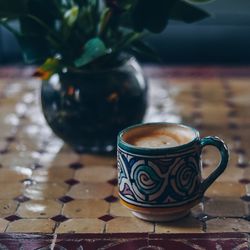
(51, 65)
(127, 39)
(152, 15)
(71, 15)
(12, 8)
(145, 50)
(183, 11)
(93, 49)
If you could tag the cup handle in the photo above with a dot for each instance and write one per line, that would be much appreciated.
(220, 145)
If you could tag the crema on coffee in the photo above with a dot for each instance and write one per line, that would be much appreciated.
(159, 136)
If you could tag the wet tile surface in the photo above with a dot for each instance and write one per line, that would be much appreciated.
(47, 188)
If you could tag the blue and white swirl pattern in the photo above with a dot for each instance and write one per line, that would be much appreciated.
(162, 182)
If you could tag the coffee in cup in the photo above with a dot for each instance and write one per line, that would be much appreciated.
(159, 169)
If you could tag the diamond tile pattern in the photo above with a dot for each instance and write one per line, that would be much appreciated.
(106, 217)
(65, 199)
(22, 198)
(62, 192)
(76, 165)
(12, 218)
(71, 182)
(59, 218)
(111, 199)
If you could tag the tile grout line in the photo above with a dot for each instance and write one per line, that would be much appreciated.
(53, 244)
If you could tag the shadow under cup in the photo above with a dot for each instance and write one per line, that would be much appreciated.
(159, 169)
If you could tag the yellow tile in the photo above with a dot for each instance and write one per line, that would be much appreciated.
(90, 191)
(81, 226)
(128, 225)
(227, 225)
(96, 160)
(225, 189)
(10, 190)
(53, 174)
(185, 225)
(14, 174)
(117, 209)
(85, 208)
(7, 207)
(39, 209)
(96, 174)
(3, 225)
(225, 207)
(232, 174)
(42, 191)
(31, 226)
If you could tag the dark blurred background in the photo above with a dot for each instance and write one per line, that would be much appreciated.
(224, 38)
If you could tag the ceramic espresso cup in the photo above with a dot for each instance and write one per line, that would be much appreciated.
(159, 169)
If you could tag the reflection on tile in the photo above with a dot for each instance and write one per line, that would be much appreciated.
(42, 191)
(85, 208)
(227, 225)
(90, 191)
(39, 209)
(53, 174)
(81, 226)
(58, 160)
(185, 225)
(128, 225)
(31, 226)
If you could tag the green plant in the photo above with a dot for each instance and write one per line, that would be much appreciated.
(89, 33)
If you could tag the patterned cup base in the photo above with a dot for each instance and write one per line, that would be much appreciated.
(161, 217)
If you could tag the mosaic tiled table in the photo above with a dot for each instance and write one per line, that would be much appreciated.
(53, 198)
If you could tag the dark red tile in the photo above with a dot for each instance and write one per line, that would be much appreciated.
(232, 125)
(10, 138)
(106, 217)
(196, 114)
(65, 199)
(4, 151)
(242, 165)
(27, 182)
(232, 113)
(76, 165)
(111, 199)
(113, 182)
(37, 166)
(71, 182)
(244, 181)
(230, 104)
(241, 151)
(236, 138)
(41, 151)
(12, 218)
(22, 198)
(59, 218)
